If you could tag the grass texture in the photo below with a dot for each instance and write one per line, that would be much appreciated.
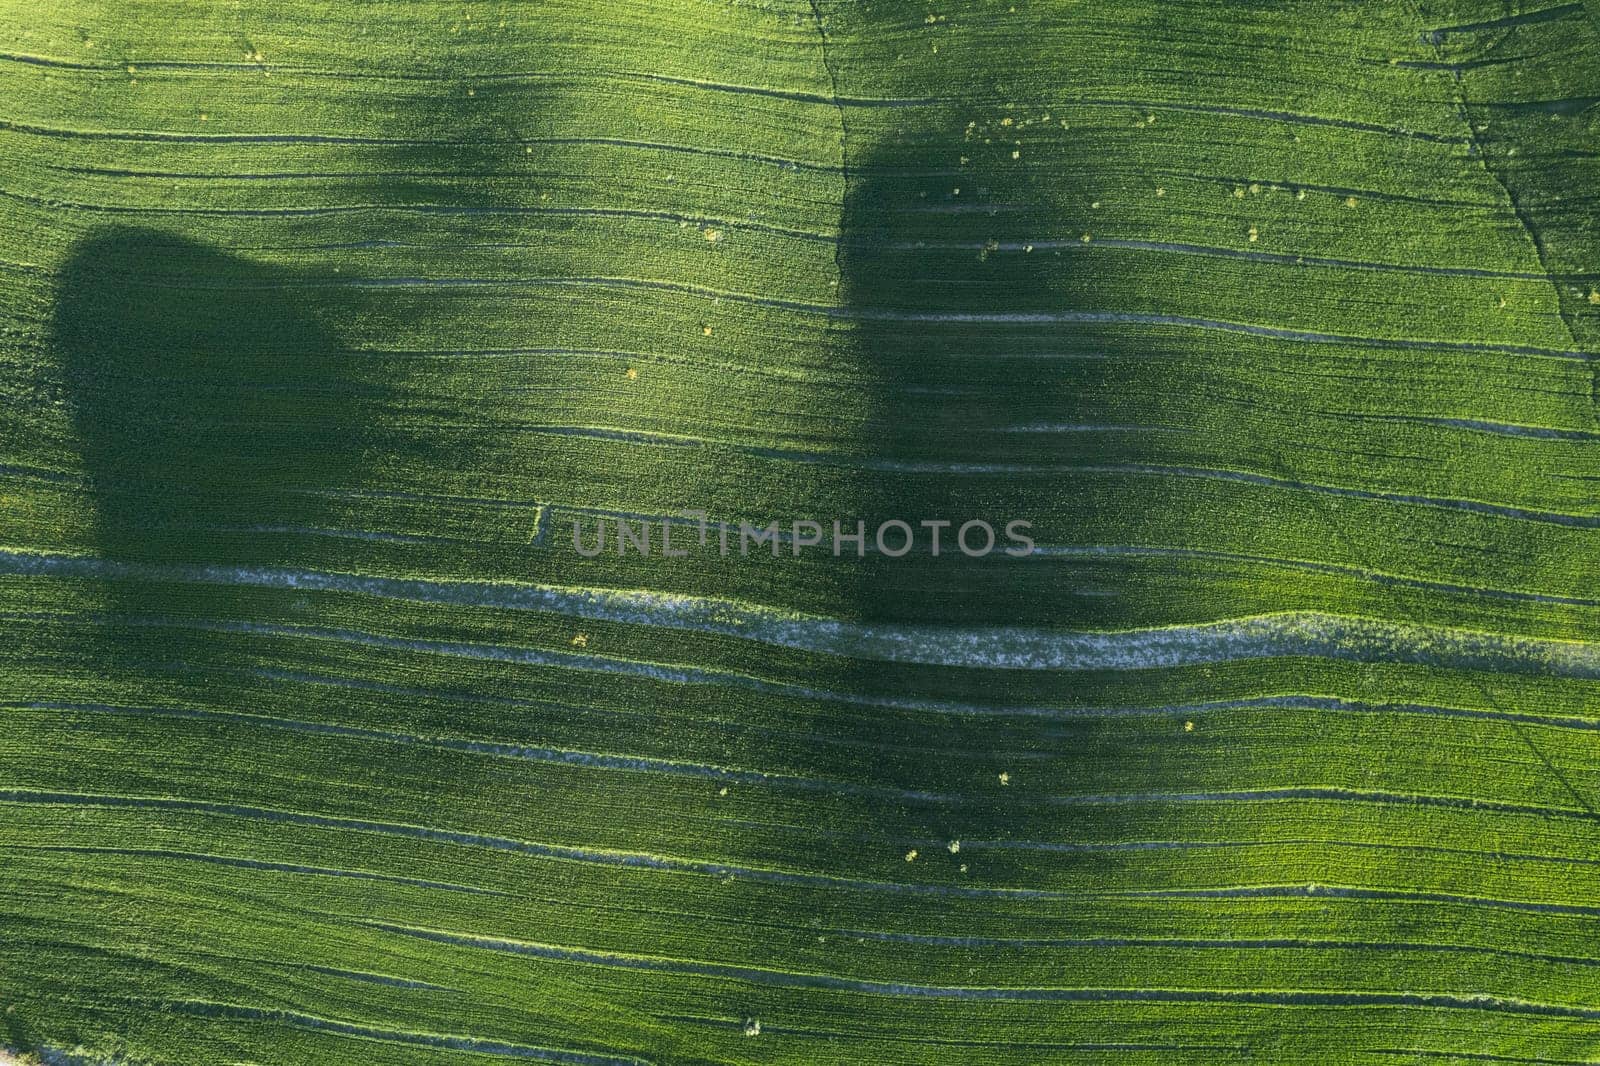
(321, 322)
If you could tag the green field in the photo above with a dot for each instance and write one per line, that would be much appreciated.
(323, 321)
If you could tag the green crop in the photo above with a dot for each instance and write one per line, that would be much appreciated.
(322, 324)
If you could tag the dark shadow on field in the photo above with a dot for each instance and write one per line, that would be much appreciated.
(225, 421)
(214, 408)
(210, 400)
(984, 402)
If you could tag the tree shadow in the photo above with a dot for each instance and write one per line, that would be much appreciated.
(997, 394)
(209, 400)
(226, 422)
(213, 406)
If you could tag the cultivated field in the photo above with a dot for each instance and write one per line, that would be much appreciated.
(321, 324)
